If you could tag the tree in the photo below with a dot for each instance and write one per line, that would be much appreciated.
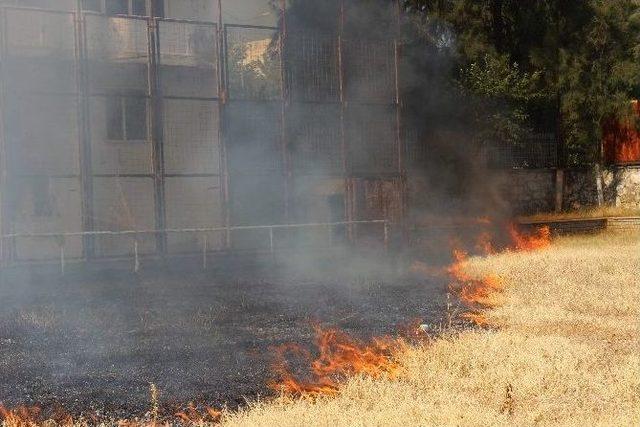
(570, 64)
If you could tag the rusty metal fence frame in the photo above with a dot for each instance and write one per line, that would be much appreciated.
(84, 93)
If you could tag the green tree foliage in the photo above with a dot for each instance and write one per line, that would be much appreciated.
(567, 65)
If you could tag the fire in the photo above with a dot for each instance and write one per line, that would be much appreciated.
(340, 356)
(480, 294)
(192, 415)
(484, 243)
(475, 294)
(31, 416)
(530, 242)
(21, 416)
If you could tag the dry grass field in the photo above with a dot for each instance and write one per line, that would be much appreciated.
(563, 349)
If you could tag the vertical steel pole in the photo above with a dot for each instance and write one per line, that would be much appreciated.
(136, 260)
(4, 164)
(271, 247)
(3, 156)
(84, 127)
(222, 100)
(157, 130)
(400, 143)
(204, 251)
(286, 159)
(348, 191)
(62, 259)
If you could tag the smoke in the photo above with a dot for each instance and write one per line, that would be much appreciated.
(327, 153)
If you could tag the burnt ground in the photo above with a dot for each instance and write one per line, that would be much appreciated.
(93, 341)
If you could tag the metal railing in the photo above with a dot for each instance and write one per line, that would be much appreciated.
(60, 237)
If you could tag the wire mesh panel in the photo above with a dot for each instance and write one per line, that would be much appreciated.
(312, 70)
(535, 151)
(191, 138)
(42, 134)
(120, 143)
(314, 138)
(118, 53)
(43, 204)
(40, 117)
(374, 199)
(253, 63)
(193, 195)
(197, 10)
(371, 136)
(369, 70)
(188, 59)
(253, 135)
(194, 202)
(124, 204)
(40, 51)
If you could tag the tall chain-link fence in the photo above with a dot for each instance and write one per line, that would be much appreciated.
(120, 131)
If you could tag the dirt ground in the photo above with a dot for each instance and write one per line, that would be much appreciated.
(94, 341)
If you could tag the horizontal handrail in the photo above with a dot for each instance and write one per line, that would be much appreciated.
(190, 230)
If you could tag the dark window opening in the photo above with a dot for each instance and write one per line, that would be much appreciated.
(157, 8)
(138, 7)
(126, 7)
(92, 5)
(117, 7)
(126, 119)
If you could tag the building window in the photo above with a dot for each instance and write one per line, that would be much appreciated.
(125, 7)
(126, 118)
(92, 5)
(117, 7)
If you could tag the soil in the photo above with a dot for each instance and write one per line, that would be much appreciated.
(93, 340)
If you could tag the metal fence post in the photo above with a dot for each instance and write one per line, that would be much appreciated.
(157, 129)
(136, 261)
(271, 247)
(8, 250)
(62, 260)
(386, 235)
(204, 252)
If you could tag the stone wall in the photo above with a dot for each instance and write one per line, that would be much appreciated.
(533, 191)
(623, 183)
(528, 190)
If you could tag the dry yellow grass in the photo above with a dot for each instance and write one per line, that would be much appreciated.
(565, 352)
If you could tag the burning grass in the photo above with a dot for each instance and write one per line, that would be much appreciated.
(564, 351)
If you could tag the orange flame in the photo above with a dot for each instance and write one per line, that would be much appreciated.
(340, 356)
(31, 416)
(475, 294)
(530, 242)
(191, 415)
(484, 243)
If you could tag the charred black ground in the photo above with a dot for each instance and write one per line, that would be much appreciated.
(93, 342)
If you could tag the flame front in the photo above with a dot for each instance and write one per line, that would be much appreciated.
(192, 416)
(475, 294)
(31, 416)
(339, 356)
(530, 242)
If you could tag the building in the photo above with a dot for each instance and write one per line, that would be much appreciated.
(123, 133)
